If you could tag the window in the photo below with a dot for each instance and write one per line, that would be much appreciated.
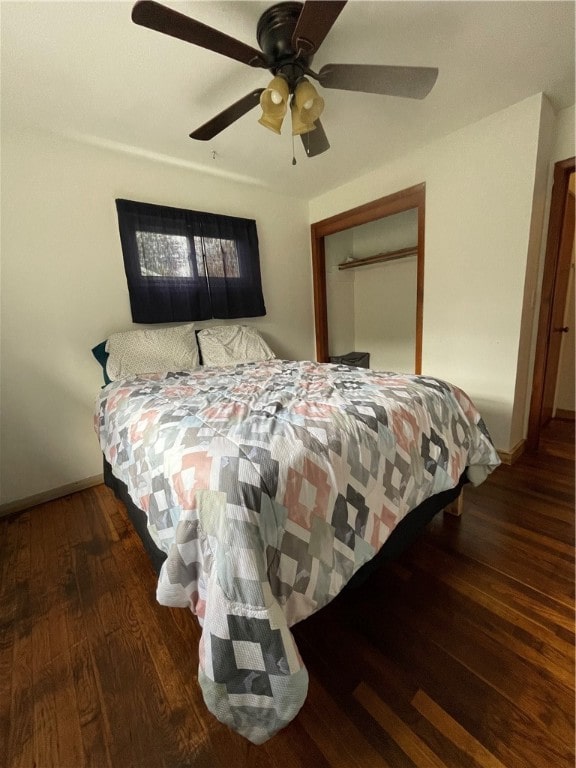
(186, 265)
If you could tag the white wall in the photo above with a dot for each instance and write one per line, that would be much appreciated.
(564, 136)
(340, 306)
(385, 321)
(373, 308)
(385, 294)
(64, 290)
(400, 230)
(480, 185)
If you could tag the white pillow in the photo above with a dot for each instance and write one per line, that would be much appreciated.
(231, 344)
(152, 351)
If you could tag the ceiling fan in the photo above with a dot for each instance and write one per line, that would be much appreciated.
(289, 34)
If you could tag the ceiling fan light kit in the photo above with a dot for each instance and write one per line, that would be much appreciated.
(306, 105)
(289, 35)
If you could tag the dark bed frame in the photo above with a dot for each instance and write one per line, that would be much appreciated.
(399, 540)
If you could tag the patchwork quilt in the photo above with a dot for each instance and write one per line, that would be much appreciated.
(269, 485)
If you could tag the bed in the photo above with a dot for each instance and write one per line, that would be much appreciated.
(262, 489)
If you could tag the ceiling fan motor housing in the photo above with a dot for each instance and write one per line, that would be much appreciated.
(274, 34)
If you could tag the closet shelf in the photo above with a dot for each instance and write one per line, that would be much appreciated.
(379, 257)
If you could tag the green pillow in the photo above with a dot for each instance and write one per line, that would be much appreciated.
(99, 352)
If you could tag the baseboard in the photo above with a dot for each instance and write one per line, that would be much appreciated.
(565, 415)
(20, 505)
(513, 456)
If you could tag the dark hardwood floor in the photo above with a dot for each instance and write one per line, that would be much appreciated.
(459, 654)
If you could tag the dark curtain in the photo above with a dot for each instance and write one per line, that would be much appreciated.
(186, 265)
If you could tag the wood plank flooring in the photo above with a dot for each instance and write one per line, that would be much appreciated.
(460, 654)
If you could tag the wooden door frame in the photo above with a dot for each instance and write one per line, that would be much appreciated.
(562, 171)
(406, 199)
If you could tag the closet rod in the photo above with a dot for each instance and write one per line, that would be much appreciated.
(379, 257)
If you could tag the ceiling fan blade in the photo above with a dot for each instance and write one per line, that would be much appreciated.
(409, 82)
(150, 14)
(227, 117)
(315, 142)
(314, 23)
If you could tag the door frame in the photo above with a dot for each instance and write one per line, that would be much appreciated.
(562, 171)
(406, 199)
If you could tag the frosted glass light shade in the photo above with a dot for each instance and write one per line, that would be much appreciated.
(274, 103)
(299, 126)
(273, 123)
(309, 103)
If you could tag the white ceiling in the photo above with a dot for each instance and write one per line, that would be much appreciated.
(85, 70)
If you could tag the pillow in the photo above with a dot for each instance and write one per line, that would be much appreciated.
(231, 344)
(152, 351)
(99, 352)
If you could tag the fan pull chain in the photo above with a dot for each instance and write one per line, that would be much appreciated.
(293, 153)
